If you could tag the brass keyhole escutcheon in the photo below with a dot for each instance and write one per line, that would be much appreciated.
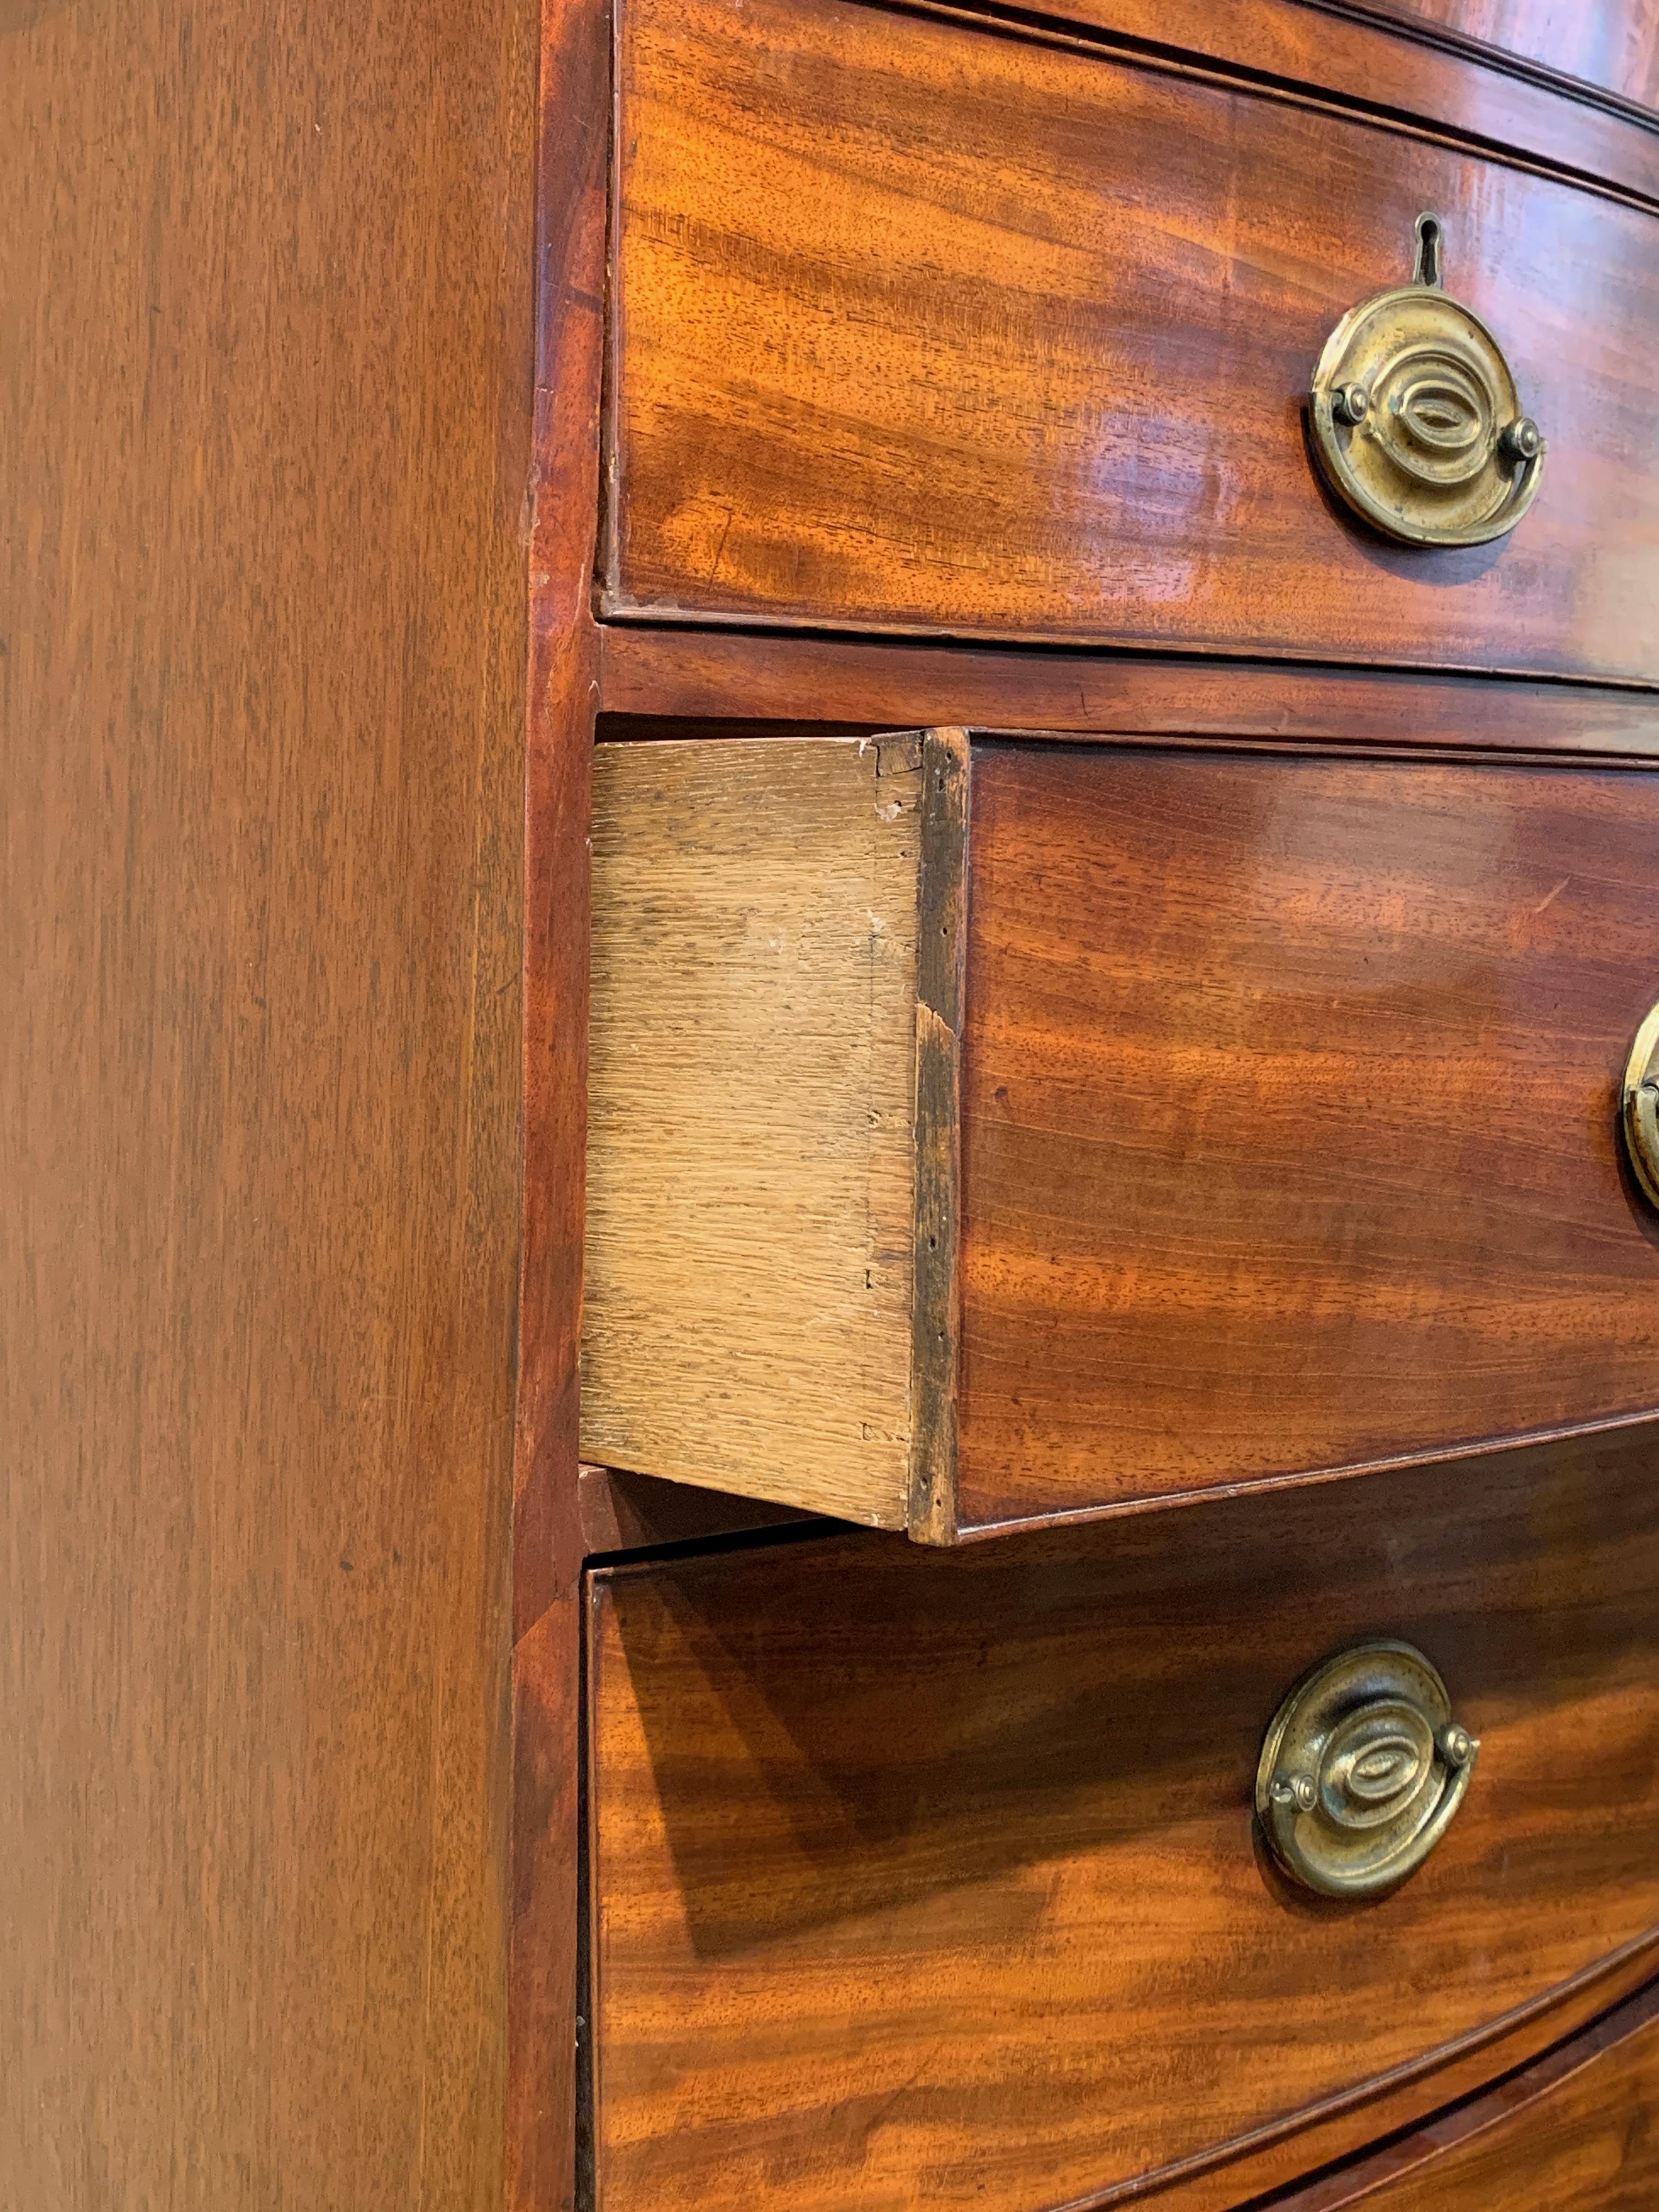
(1416, 421)
(1362, 1770)
(1641, 1106)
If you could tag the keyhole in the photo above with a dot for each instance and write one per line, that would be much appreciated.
(1429, 235)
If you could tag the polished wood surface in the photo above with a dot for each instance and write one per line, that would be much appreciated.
(292, 1077)
(1574, 2133)
(663, 682)
(1358, 56)
(929, 1878)
(922, 326)
(265, 380)
(1289, 1111)
(1613, 44)
(562, 514)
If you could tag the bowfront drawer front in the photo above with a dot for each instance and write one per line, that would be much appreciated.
(1576, 2132)
(933, 1878)
(930, 327)
(989, 1132)
(1614, 43)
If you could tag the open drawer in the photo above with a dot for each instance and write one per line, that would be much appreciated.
(986, 1132)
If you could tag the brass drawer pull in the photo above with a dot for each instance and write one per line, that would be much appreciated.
(1642, 1105)
(1362, 1770)
(1416, 418)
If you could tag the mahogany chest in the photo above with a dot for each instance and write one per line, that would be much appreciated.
(830, 1106)
(1121, 823)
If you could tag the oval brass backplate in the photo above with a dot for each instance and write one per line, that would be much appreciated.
(1416, 418)
(1362, 1770)
(1642, 1105)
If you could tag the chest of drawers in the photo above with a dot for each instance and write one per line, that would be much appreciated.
(830, 1106)
(1049, 1061)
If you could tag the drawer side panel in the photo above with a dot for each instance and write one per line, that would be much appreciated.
(750, 1195)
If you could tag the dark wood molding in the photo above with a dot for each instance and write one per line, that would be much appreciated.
(563, 684)
(801, 679)
(941, 961)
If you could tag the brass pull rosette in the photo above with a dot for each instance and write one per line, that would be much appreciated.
(1416, 418)
(1641, 1104)
(1362, 1770)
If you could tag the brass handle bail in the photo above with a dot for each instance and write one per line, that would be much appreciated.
(1416, 421)
(1641, 1106)
(1362, 1770)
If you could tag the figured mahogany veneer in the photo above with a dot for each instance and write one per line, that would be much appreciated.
(1436, 80)
(1576, 2132)
(922, 325)
(929, 1879)
(1288, 1107)
(1613, 44)
(1176, 1120)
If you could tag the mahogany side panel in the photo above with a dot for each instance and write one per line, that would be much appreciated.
(1574, 2133)
(754, 677)
(992, 1928)
(541, 2132)
(265, 391)
(1290, 1117)
(1613, 44)
(925, 326)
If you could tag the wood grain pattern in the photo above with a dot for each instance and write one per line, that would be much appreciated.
(542, 1996)
(1356, 56)
(1289, 1116)
(940, 1015)
(654, 680)
(1574, 2133)
(923, 327)
(993, 1930)
(751, 1173)
(1287, 1107)
(265, 382)
(1613, 44)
